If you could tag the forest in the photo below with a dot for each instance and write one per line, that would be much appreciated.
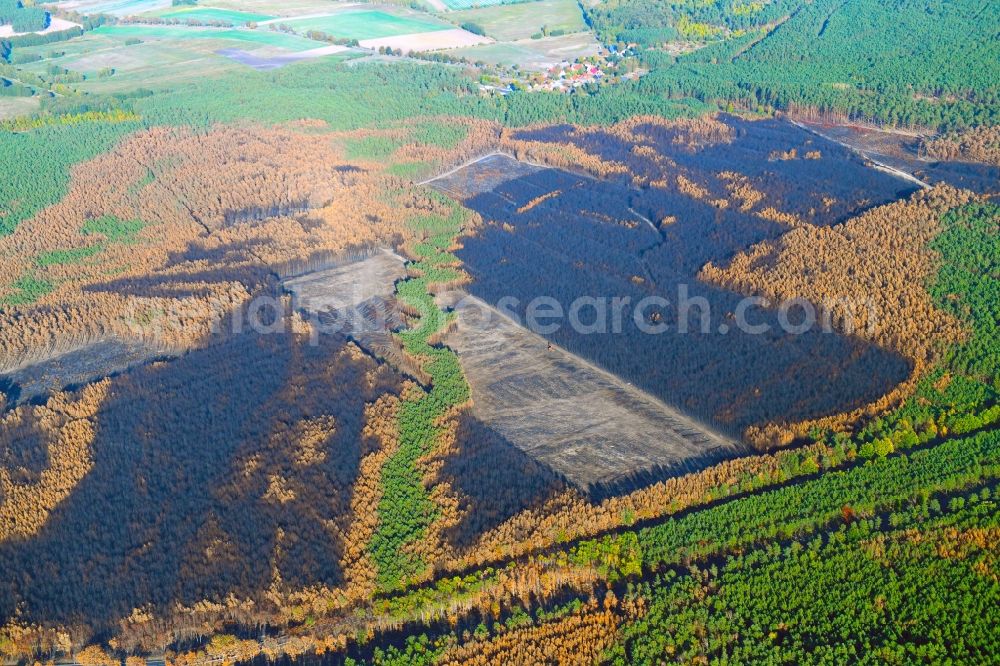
(924, 501)
(981, 144)
(890, 63)
(203, 493)
(23, 18)
(417, 490)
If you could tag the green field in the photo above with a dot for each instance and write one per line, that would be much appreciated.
(117, 7)
(510, 22)
(288, 8)
(166, 55)
(155, 63)
(532, 54)
(367, 24)
(214, 14)
(470, 4)
(259, 37)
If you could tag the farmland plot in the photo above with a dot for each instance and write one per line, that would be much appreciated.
(434, 40)
(213, 14)
(366, 24)
(159, 56)
(473, 4)
(535, 54)
(113, 7)
(509, 22)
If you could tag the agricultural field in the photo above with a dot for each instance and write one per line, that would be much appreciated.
(112, 7)
(160, 56)
(206, 14)
(367, 24)
(458, 5)
(281, 8)
(533, 54)
(176, 33)
(511, 22)
(436, 40)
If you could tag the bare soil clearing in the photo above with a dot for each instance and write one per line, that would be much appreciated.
(348, 285)
(588, 425)
(12, 107)
(88, 363)
(582, 422)
(357, 299)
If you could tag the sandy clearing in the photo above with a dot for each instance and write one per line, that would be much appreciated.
(322, 51)
(56, 24)
(12, 107)
(585, 423)
(348, 285)
(436, 40)
(79, 366)
(357, 299)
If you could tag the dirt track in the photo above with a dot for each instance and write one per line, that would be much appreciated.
(592, 427)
